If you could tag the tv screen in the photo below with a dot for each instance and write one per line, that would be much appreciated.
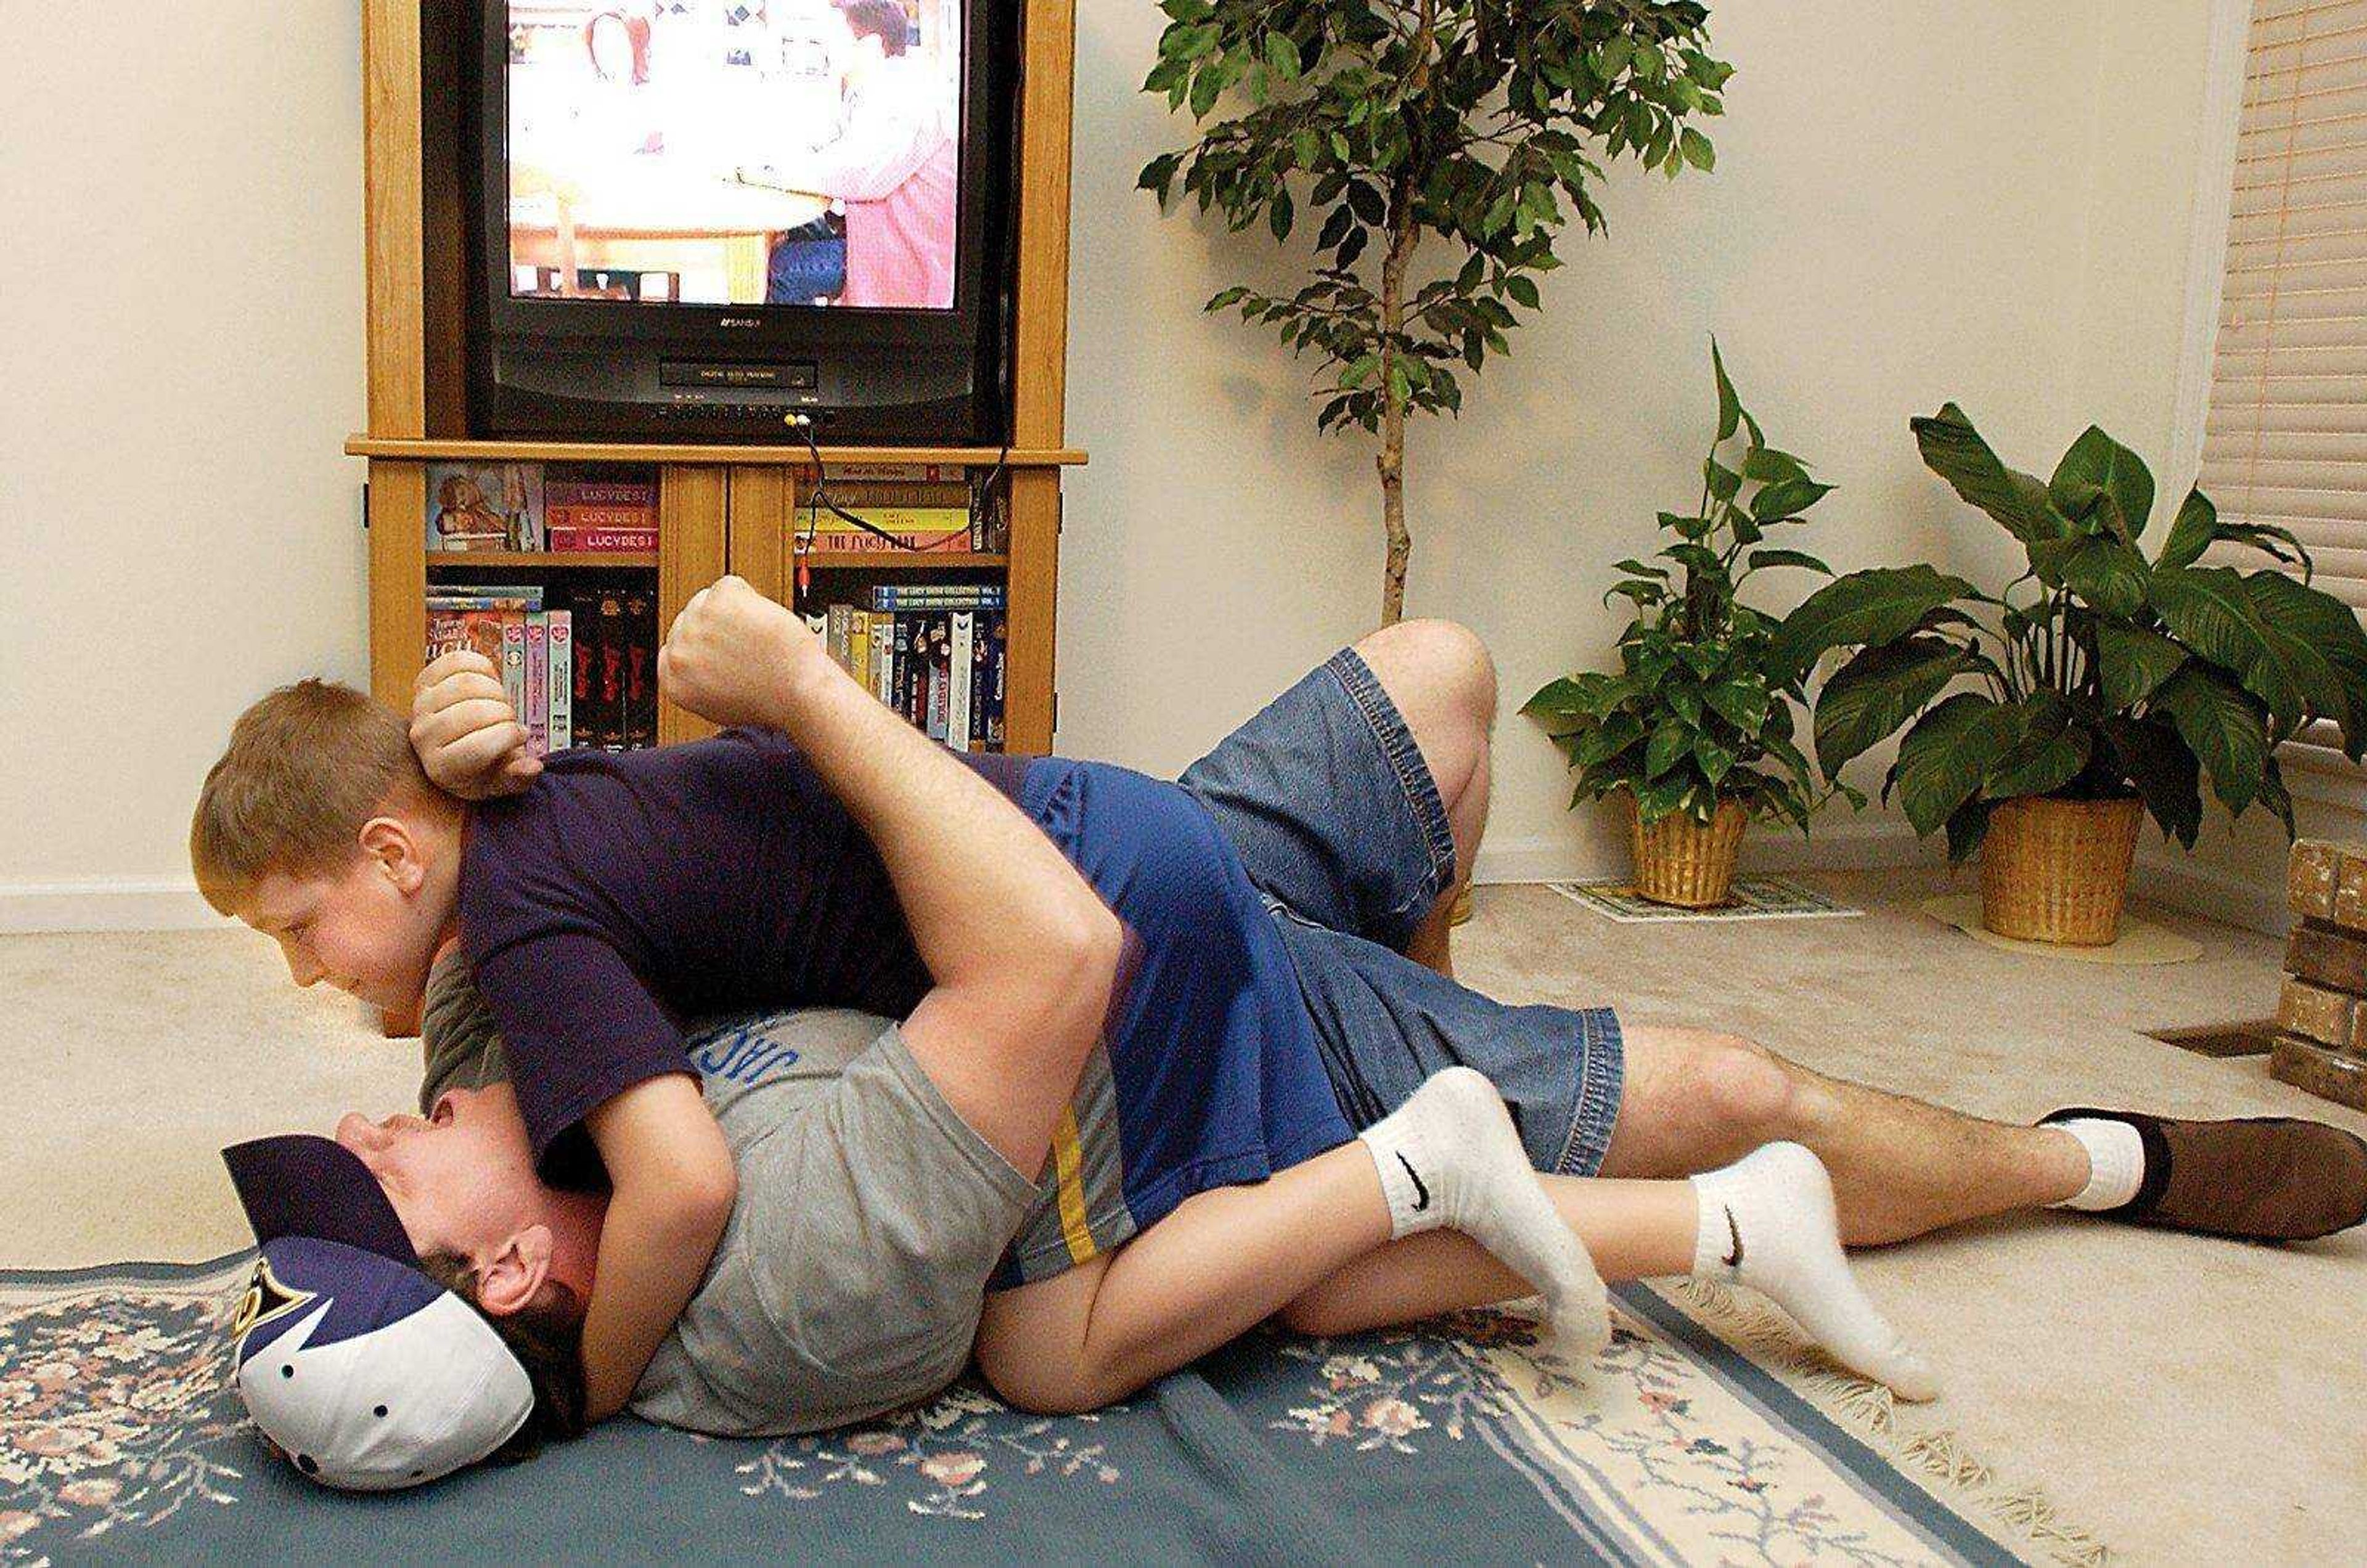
(736, 152)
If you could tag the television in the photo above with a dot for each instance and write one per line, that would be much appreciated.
(688, 219)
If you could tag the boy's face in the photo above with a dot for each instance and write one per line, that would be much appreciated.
(367, 930)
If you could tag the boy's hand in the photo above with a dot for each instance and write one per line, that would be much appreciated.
(733, 655)
(468, 738)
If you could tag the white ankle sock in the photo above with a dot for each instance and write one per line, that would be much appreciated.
(1450, 1157)
(2115, 1162)
(1768, 1222)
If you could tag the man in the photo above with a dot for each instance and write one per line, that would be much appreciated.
(895, 166)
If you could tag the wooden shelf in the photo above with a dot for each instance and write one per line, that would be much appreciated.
(899, 561)
(434, 449)
(579, 559)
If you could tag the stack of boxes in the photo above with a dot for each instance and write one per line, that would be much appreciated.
(2321, 1043)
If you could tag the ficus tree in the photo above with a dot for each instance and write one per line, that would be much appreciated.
(1465, 133)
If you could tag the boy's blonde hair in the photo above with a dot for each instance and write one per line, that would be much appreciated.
(305, 768)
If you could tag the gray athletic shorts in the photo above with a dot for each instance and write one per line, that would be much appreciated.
(1327, 797)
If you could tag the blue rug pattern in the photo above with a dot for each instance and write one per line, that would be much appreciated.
(1470, 1440)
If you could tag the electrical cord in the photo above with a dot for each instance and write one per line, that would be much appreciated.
(819, 497)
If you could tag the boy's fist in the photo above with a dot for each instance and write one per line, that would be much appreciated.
(467, 737)
(733, 654)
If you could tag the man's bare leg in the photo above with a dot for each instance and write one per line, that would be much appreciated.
(1443, 684)
(1696, 1099)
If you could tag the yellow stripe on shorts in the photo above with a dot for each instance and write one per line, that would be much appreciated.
(1069, 1161)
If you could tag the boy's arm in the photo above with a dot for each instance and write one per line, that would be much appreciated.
(1020, 947)
(672, 1189)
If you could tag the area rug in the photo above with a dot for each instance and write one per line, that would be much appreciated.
(1753, 899)
(1470, 1441)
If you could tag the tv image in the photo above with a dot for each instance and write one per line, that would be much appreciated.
(692, 216)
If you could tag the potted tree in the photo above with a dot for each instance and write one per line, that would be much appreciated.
(1446, 144)
(2100, 685)
(1695, 733)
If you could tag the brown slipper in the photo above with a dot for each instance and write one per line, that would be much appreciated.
(2261, 1178)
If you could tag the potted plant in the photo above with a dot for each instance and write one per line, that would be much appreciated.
(1446, 144)
(1695, 730)
(2100, 685)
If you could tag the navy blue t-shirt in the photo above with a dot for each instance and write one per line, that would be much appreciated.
(623, 894)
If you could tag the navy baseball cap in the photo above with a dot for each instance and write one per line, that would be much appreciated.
(369, 1373)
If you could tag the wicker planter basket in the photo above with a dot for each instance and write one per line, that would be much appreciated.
(1688, 863)
(2058, 870)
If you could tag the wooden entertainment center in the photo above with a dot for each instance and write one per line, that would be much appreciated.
(722, 509)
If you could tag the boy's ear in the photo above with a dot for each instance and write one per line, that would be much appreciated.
(391, 841)
(509, 1282)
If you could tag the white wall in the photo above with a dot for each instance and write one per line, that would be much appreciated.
(181, 359)
(1913, 202)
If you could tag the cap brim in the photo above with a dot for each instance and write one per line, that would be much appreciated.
(302, 1185)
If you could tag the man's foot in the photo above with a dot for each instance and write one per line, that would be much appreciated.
(2261, 1178)
(1768, 1221)
(1450, 1158)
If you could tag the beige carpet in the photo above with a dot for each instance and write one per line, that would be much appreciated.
(2187, 1401)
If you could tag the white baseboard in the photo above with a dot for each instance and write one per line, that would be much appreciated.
(103, 904)
(2200, 889)
(1866, 845)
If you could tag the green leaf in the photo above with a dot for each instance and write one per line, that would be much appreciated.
(1878, 691)
(1944, 758)
(1874, 607)
(1672, 741)
(2100, 568)
(1768, 466)
(1282, 56)
(2197, 526)
(1714, 756)
(1953, 450)
(2051, 753)
(2099, 468)
(2152, 756)
(1729, 406)
(1562, 695)
(1617, 733)
(2131, 662)
(1968, 826)
(1742, 703)
(1156, 173)
(1760, 558)
(1786, 499)
(2318, 639)
(2222, 723)
(2211, 611)
(1697, 150)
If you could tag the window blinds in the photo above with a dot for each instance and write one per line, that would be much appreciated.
(2286, 437)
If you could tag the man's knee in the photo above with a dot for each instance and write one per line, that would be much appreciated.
(1725, 1079)
(1442, 662)
(1744, 1085)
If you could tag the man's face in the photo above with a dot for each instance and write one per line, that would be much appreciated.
(462, 1179)
(362, 930)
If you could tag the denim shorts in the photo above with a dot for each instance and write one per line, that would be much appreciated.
(1335, 814)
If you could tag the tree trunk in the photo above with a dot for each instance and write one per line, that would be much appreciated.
(1404, 233)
